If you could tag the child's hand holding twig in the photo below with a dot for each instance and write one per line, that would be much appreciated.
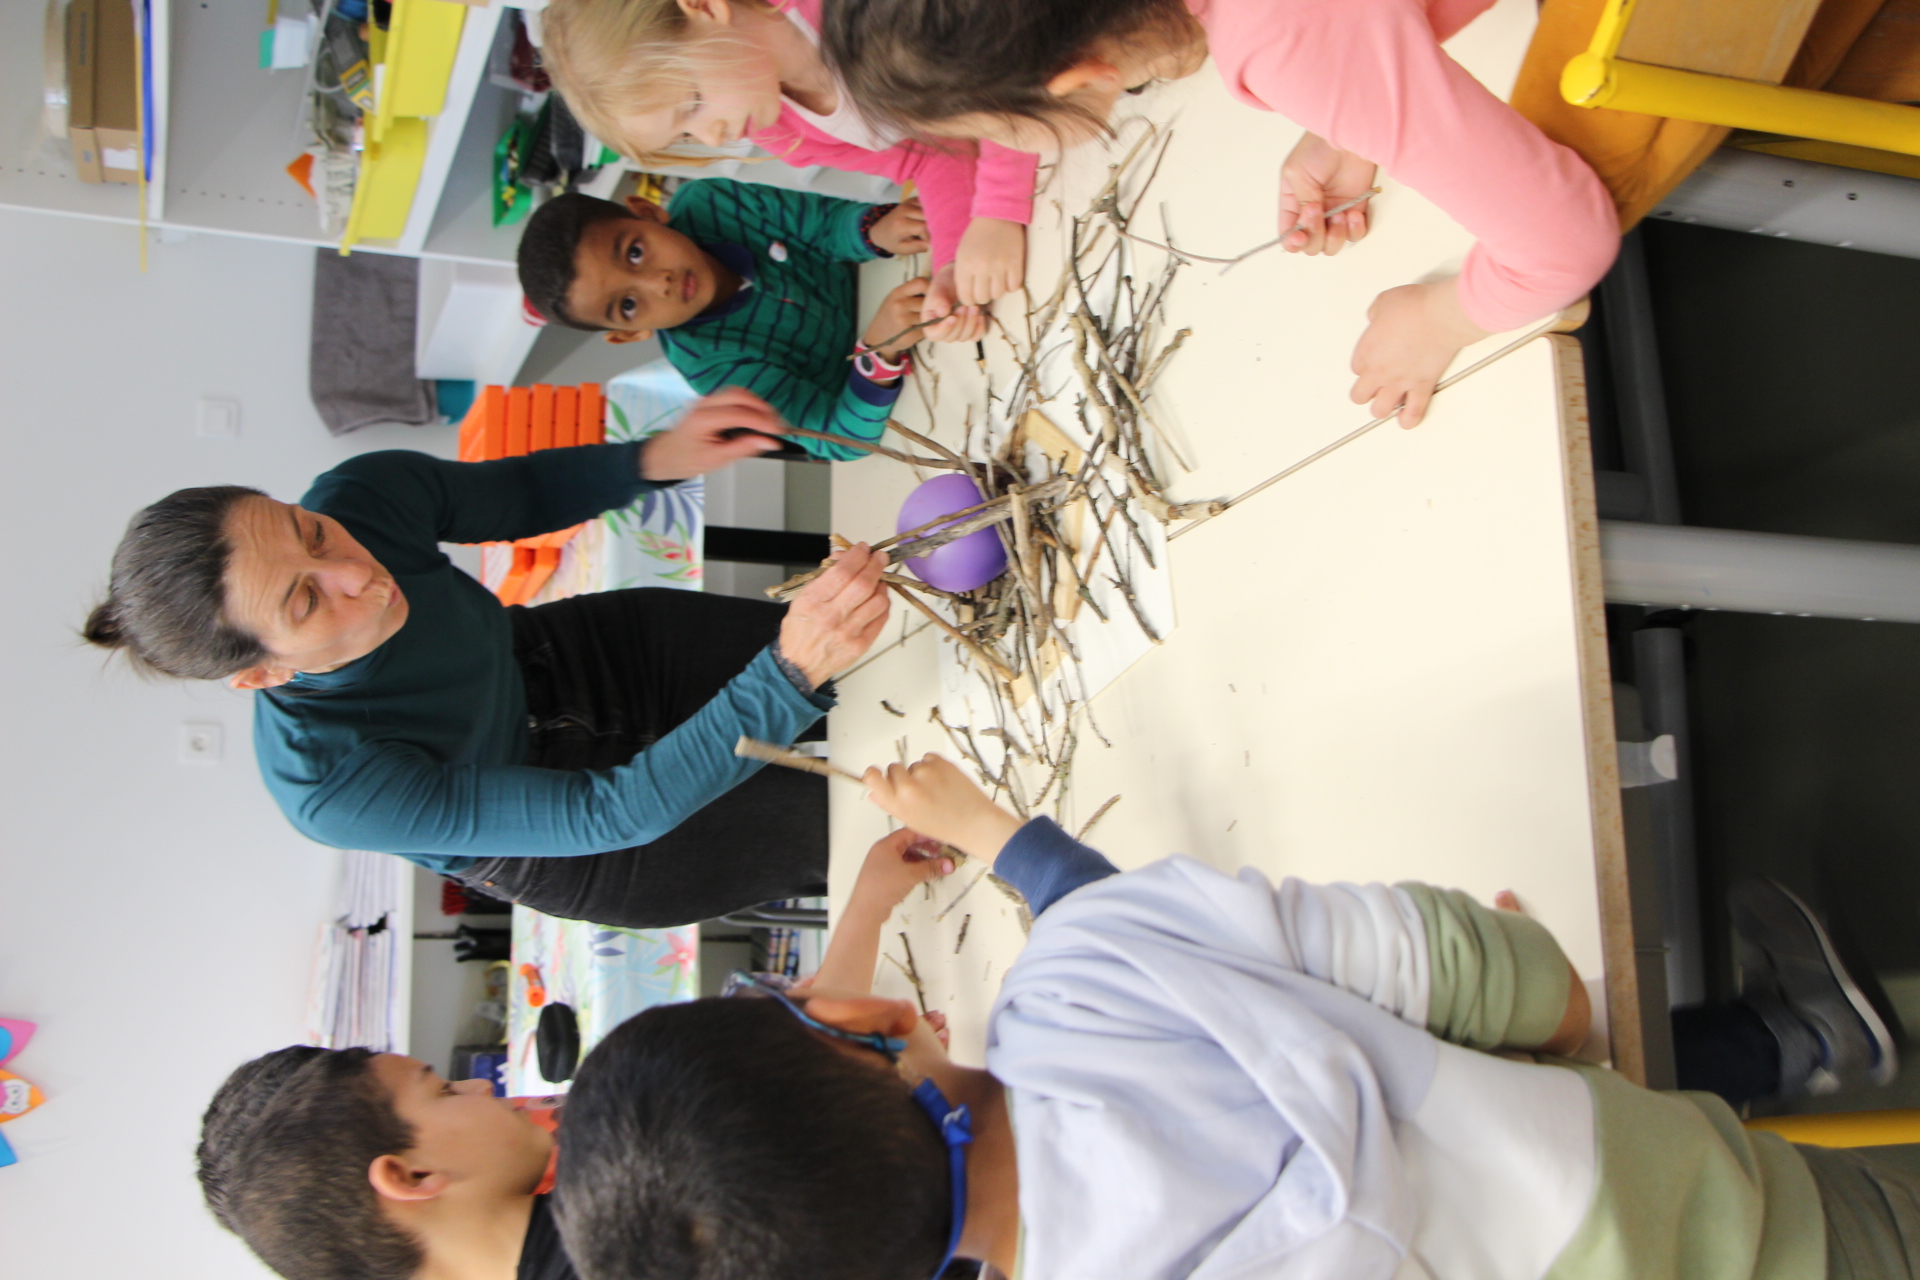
(894, 865)
(955, 322)
(902, 231)
(933, 796)
(895, 325)
(1413, 333)
(991, 260)
(1316, 177)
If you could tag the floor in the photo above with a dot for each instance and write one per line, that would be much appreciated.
(1794, 394)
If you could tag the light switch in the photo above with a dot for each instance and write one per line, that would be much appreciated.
(218, 419)
(202, 742)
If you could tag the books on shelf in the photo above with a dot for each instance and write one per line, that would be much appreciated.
(357, 997)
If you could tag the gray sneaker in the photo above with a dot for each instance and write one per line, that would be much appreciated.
(1829, 1033)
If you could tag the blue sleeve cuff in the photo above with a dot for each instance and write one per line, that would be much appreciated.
(1046, 864)
(823, 697)
(872, 392)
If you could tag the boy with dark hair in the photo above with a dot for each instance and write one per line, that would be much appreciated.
(746, 285)
(345, 1164)
(1193, 1075)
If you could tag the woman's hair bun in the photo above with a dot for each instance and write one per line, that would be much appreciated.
(103, 626)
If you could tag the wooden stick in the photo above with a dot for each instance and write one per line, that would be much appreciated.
(1357, 432)
(957, 635)
(868, 446)
(913, 974)
(917, 541)
(1098, 814)
(927, 442)
(912, 328)
(754, 749)
(1230, 263)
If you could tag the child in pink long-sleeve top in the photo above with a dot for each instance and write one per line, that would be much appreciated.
(1367, 78)
(646, 74)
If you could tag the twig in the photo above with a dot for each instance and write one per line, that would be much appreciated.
(948, 909)
(1098, 814)
(952, 631)
(869, 447)
(913, 974)
(1133, 602)
(918, 541)
(1231, 263)
(1347, 439)
(754, 749)
(928, 442)
(912, 328)
(888, 648)
(961, 941)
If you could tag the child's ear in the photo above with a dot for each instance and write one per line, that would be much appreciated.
(1084, 74)
(718, 12)
(620, 336)
(865, 1015)
(645, 209)
(262, 677)
(394, 1179)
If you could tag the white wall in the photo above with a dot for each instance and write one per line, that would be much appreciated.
(156, 918)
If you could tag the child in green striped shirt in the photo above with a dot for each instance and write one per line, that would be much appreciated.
(746, 285)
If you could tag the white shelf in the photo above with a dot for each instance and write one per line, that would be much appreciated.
(160, 34)
(228, 129)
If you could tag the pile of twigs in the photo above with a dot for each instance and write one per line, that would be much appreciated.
(1069, 506)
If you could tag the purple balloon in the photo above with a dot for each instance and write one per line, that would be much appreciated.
(965, 564)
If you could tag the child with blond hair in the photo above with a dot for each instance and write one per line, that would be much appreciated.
(645, 75)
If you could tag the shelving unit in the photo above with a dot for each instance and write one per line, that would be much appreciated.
(227, 130)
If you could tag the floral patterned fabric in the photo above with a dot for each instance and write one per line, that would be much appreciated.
(605, 975)
(608, 975)
(655, 542)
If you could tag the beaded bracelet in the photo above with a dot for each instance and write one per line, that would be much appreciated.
(867, 220)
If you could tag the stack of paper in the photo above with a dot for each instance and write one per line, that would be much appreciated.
(356, 997)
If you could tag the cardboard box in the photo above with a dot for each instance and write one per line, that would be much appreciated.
(103, 91)
(116, 92)
(80, 78)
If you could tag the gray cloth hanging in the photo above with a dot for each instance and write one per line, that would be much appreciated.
(361, 368)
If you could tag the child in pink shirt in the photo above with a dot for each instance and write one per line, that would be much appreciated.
(1367, 78)
(646, 74)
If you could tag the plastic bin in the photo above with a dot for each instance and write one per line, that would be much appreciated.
(389, 172)
(420, 46)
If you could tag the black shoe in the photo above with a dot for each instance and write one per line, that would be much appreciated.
(1830, 1034)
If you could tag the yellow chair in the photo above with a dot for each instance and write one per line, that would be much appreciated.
(1599, 77)
(1846, 1128)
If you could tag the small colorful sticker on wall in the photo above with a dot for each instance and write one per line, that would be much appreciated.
(17, 1097)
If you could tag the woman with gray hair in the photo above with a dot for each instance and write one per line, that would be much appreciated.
(575, 756)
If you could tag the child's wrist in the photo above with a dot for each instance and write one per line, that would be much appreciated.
(878, 366)
(988, 834)
(871, 219)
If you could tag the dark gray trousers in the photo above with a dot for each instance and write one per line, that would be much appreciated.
(610, 673)
(1873, 1213)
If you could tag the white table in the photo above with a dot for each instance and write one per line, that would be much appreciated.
(1389, 666)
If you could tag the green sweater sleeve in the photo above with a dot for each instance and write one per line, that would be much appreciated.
(855, 407)
(1499, 980)
(402, 504)
(754, 212)
(393, 797)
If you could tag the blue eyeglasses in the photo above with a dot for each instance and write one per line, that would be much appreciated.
(955, 1123)
(774, 986)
